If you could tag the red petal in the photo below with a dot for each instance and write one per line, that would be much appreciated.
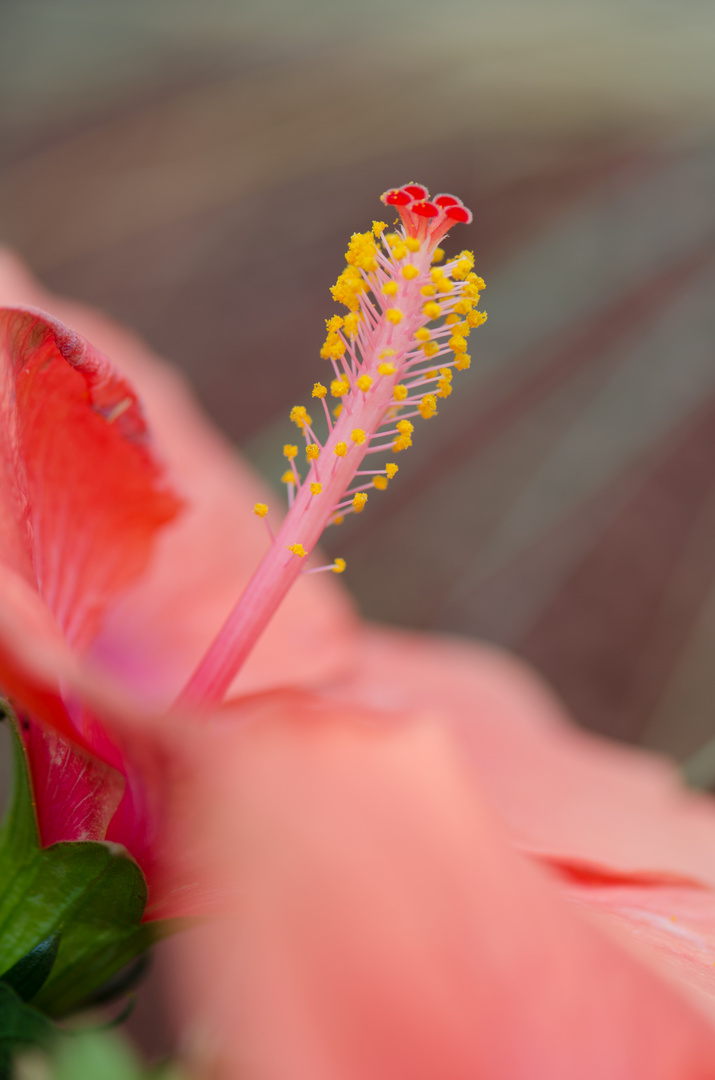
(396, 197)
(446, 200)
(459, 213)
(416, 191)
(76, 451)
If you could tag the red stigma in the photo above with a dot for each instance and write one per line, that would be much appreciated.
(425, 218)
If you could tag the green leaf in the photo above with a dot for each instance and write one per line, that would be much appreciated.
(32, 971)
(22, 1024)
(90, 895)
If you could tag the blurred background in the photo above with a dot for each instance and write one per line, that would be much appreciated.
(195, 169)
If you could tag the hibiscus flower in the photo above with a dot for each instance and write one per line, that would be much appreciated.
(418, 867)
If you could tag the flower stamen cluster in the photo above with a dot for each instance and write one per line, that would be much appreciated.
(393, 356)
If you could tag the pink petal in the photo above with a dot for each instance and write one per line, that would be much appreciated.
(158, 631)
(376, 925)
(564, 793)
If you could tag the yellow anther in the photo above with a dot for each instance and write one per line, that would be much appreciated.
(359, 500)
(412, 243)
(339, 387)
(428, 406)
(319, 390)
(399, 251)
(476, 318)
(451, 320)
(462, 362)
(378, 227)
(432, 310)
(380, 482)
(333, 323)
(339, 565)
(477, 281)
(315, 488)
(428, 290)
(312, 451)
(430, 348)
(457, 344)
(463, 306)
(438, 255)
(405, 427)
(464, 265)
(290, 451)
(333, 347)
(351, 323)
(386, 353)
(410, 272)
(337, 410)
(442, 283)
(338, 521)
(423, 334)
(431, 374)
(287, 477)
(390, 288)
(402, 442)
(393, 315)
(386, 368)
(299, 416)
(446, 373)
(444, 388)
(364, 382)
(362, 251)
(399, 392)
(297, 549)
(341, 449)
(392, 238)
(260, 509)
(391, 469)
(357, 435)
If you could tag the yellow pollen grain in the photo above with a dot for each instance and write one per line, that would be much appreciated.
(290, 451)
(451, 320)
(297, 549)
(438, 255)
(399, 393)
(337, 410)
(315, 488)
(393, 315)
(430, 348)
(357, 435)
(319, 390)
(457, 344)
(412, 243)
(410, 272)
(339, 565)
(359, 500)
(338, 521)
(428, 290)
(405, 427)
(399, 251)
(287, 477)
(312, 451)
(386, 369)
(333, 323)
(351, 323)
(380, 482)
(260, 510)
(390, 288)
(422, 334)
(463, 362)
(402, 442)
(378, 227)
(364, 382)
(432, 310)
(341, 449)
(391, 469)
